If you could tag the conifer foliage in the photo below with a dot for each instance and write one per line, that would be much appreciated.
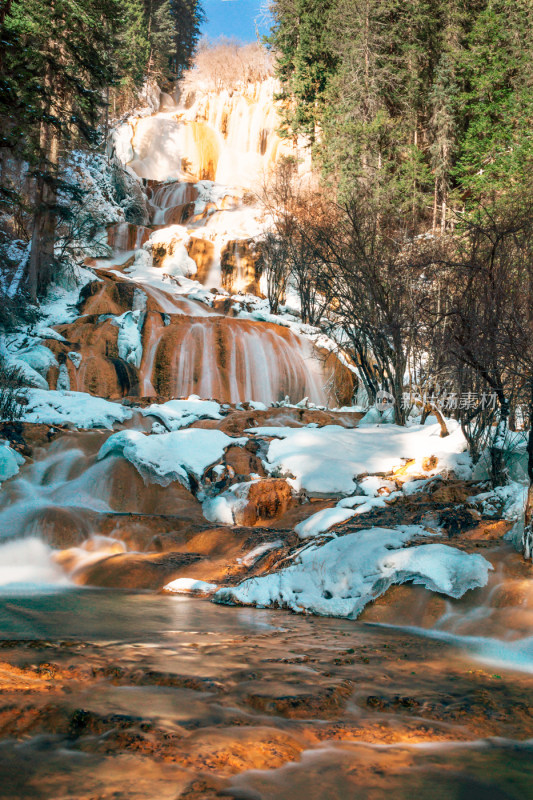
(426, 104)
(64, 64)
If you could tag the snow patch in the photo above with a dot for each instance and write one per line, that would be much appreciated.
(327, 461)
(168, 457)
(77, 409)
(176, 414)
(342, 577)
(10, 461)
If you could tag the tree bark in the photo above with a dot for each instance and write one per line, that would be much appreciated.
(41, 260)
(498, 468)
(527, 538)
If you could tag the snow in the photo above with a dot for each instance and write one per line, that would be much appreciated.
(190, 586)
(76, 358)
(38, 357)
(373, 486)
(129, 340)
(340, 578)
(327, 461)
(168, 457)
(362, 504)
(10, 461)
(222, 508)
(174, 239)
(176, 414)
(254, 555)
(29, 376)
(77, 409)
(322, 521)
(60, 303)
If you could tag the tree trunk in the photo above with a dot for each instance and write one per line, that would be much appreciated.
(499, 473)
(527, 538)
(41, 260)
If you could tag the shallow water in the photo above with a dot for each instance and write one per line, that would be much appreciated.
(251, 703)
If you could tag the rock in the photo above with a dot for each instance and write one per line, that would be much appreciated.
(450, 492)
(202, 252)
(110, 295)
(302, 701)
(230, 751)
(243, 462)
(457, 520)
(267, 500)
(129, 493)
(101, 372)
(487, 531)
(135, 570)
(241, 264)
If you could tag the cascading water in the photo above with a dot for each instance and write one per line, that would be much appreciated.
(180, 688)
(229, 359)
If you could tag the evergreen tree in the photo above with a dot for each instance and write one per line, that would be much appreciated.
(305, 62)
(418, 104)
(188, 17)
(57, 65)
(496, 146)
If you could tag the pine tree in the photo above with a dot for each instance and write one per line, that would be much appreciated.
(58, 63)
(188, 17)
(305, 62)
(496, 146)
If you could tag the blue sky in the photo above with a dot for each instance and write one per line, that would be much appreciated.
(234, 18)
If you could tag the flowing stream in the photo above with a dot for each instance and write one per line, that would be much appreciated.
(234, 702)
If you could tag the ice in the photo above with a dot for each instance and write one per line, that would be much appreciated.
(78, 409)
(327, 461)
(220, 509)
(121, 141)
(340, 578)
(176, 414)
(10, 461)
(168, 457)
(63, 379)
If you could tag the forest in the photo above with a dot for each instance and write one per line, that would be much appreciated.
(266, 399)
(416, 240)
(68, 67)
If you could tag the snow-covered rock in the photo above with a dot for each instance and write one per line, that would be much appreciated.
(327, 461)
(342, 577)
(176, 414)
(10, 461)
(168, 457)
(77, 409)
